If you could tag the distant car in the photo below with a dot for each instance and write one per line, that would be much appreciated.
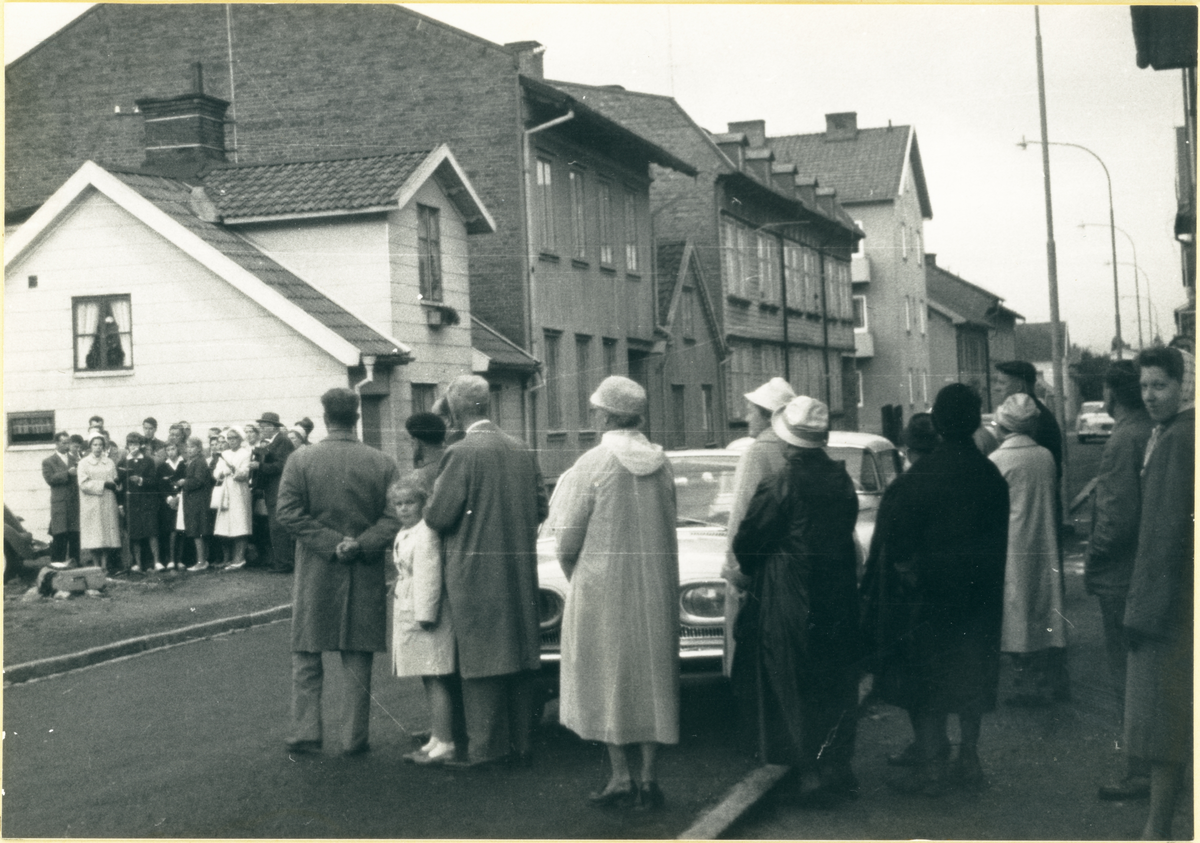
(1093, 422)
(704, 494)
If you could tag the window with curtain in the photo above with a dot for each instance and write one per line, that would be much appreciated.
(103, 333)
(632, 261)
(543, 207)
(423, 397)
(552, 373)
(604, 199)
(429, 253)
(578, 217)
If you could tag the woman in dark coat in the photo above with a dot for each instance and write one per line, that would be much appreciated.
(933, 594)
(139, 501)
(196, 488)
(797, 642)
(171, 471)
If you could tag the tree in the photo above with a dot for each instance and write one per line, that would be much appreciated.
(1089, 375)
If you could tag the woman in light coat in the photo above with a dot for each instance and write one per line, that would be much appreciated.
(615, 524)
(99, 518)
(235, 514)
(1033, 627)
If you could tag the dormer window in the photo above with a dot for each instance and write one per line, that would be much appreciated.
(429, 253)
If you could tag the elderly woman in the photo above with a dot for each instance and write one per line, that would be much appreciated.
(1034, 626)
(933, 594)
(196, 492)
(99, 518)
(797, 634)
(615, 517)
(1160, 607)
(232, 474)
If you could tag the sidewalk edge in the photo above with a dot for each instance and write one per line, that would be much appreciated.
(741, 797)
(18, 673)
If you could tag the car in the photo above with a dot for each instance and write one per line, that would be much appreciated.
(1093, 422)
(704, 494)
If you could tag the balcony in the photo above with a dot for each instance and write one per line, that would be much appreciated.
(860, 269)
(864, 344)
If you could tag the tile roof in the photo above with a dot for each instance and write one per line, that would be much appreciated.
(500, 351)
(297, 187)
(174, 198)
(970, 301)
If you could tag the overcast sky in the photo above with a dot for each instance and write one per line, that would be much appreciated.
(965, 76)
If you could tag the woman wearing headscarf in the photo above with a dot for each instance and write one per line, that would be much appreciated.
(933, 597)
(1160, 606)
(234, 515)
(99, 518)
(1034, 626)
(797, 633)
(615, 517)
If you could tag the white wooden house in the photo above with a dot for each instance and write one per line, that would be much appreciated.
(216, 297)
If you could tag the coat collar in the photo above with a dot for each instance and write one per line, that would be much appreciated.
(341, 436)
(1019, 440)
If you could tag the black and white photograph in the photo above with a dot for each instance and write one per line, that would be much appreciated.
(657, 421)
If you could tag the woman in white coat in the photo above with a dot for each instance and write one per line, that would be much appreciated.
(1033, 629)
(615, 524)
(235, 513)
(99, 518)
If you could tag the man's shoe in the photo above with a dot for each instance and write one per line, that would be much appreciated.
(303, 747)
(354, 751)
(1130, 787)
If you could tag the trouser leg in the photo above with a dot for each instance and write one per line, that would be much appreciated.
(58, 547)
(307, 679)
(282, 555)
(1112, 614)
(486, 712)
(357, 718)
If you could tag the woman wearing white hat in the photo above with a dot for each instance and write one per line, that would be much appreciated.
(99, 518)
(615, 516)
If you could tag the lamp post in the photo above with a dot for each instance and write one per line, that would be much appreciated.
(1024, 144)
(1137, 294)
(1149, 299)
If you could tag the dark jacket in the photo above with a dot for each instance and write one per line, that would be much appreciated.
(274, 456)
(1048, 434)
(1117, 507)
(64, 494)
(197, 496)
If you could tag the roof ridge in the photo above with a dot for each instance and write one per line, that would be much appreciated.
(822, 134)
(616, 90)
(232, 165)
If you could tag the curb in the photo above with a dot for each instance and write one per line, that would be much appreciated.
(741, 797)
(41, 668)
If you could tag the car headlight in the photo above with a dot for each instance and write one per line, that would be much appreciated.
(703, 603)
(550, 609)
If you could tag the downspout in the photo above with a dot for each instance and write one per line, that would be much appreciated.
(369, 365)
(531, 264)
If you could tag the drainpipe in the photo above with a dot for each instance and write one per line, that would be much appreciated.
(531, 261)
(369, 365)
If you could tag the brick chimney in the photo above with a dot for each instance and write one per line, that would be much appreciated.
(842, 126)
(529, 58)
(733, 145)
(759, 161)
(754, 130)
(185, 135)
(783, 179)
(931, 258)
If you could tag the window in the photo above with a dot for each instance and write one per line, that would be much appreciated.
(858, 378)
(921, 313)
(793, 281)
(543, 207)
(687, 315)
(423, 397)
(925, 387)
(860, 313)
(768, 262)
(578, 217)
(604, 194)
(732, 259)
(553, 372)
(631, 232)
(908, 314)
(35, 428)
(912, 399)
(495, 400)
(103, 333)
(429, 253)
(707, 412)
(678, 432)
(583, 379)
(610, 357)
(920, 248)
(903, 241)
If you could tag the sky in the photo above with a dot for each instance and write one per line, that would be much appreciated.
(964, 76)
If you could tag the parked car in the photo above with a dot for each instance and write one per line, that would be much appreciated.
(704, 494)
(1093, 422)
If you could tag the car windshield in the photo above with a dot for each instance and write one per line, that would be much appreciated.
(703, 489)
(1093, 406)
(860, 465)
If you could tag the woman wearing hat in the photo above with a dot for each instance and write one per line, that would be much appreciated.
(99, 518)
(1034, 626)
(797, 633)
(615, 524)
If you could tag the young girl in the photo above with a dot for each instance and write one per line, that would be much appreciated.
(196, 493)
(422, 638)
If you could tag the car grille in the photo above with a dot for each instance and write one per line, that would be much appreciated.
(688, 636)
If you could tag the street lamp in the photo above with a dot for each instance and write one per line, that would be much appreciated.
(1136, 290)
(1150, 317)
(1024, 144)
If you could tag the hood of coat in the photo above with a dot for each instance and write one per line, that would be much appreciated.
(634, 451)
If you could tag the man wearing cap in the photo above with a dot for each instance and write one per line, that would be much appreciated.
(1034, 628)
(275, 450)
(486, 506)
(1019, 377)
(798, 631)
(60, 470)
(765, 458)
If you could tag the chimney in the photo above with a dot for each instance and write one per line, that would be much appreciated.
(185, 134)
(754, 130)
(758, 163)
(827, 200)
(529, 58)
(931, 258)
(733, 144)
(843, 126)
(806, 190)
(783, 179)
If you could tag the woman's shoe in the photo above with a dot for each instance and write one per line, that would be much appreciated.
(199, 566)
(439, 753)
(158, 566)
(234, 566)
(649, 797)
(622, 797)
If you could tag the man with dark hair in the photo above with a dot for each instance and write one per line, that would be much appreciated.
(428, 431)
(1018, 376)
(153, 445)
(333, 500)
(1116, 509)
(60, 471)
(275, 448)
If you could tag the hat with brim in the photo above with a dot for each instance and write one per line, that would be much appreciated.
(619, 395)
(271, 418)
(1018, 369)
(772, 395)
(803, 422)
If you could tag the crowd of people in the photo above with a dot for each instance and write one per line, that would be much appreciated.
(151, 496)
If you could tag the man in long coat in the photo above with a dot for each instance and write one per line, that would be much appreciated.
(333, 500)
(59, 470)
(270, 458)
(486, 505)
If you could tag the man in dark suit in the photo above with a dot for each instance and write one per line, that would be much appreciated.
(276, 448)
(59, 471)
(154, 447)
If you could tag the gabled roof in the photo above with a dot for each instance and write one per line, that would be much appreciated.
(675, 261)
(304, 189)
(165, 206)
(969, 302)
(867, 168)
(493, 350)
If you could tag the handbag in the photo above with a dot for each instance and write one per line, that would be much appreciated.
(220, 497)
